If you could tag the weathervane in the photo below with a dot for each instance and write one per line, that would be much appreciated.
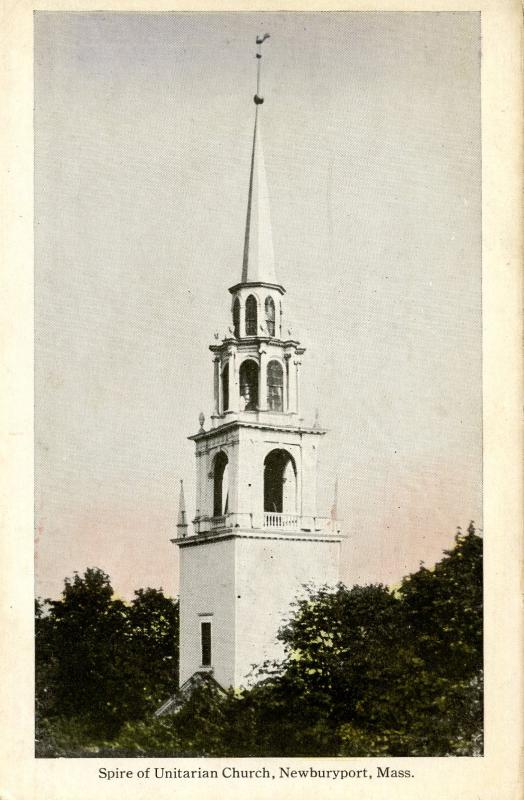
(260, 41)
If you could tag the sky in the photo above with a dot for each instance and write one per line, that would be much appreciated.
(371, 132)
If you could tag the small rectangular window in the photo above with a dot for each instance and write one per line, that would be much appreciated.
(205, 635)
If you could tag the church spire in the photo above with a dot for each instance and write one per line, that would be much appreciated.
(259, 260)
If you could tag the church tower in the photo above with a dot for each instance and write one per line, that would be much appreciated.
(257, 535)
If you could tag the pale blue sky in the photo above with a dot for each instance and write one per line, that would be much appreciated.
(372, 147)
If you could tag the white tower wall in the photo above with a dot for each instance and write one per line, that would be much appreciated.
(270, 574)
(207, 593)
(244, 585)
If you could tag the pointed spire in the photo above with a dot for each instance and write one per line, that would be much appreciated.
(182, 524)
(259, 260)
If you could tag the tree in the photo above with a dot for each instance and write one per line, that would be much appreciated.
(100, 662)
(83, 634)
(340, 651)
(444, 607)
(150, 660)
(444, 612)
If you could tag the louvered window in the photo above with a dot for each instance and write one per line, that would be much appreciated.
(251, 316)
(270, 316)
(275, 386)
(236, 317)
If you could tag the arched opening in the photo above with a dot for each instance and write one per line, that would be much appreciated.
(251, 316)
(270, 315)
(225, 388)
(275, 386)
(220, 485)
(236, 317)
(280, 483)
(249, 385)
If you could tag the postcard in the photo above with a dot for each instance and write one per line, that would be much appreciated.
(263, 475)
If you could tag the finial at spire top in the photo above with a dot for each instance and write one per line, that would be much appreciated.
(260, 41)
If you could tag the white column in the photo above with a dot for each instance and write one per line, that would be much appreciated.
(242, 322)
(262, 380)
(287, 402)
(216, 383)
(297, 364)
(221, 408)
(292, 388)
(233, 380)
(233, 478)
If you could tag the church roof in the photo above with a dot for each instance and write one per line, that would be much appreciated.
(182, 695)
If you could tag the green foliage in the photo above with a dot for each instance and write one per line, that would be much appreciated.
(288, 718)
(204, 726)
(150, 737)
(339, 645)
(100, 661)
(150, 662)
(59, 737)
(368, 671)
(444, 608)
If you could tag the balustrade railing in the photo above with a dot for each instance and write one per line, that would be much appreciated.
(270, 520)
(286, 521)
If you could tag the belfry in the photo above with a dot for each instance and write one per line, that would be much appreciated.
(257, 534)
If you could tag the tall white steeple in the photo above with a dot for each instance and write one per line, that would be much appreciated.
(257, 536)
(259, 258)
